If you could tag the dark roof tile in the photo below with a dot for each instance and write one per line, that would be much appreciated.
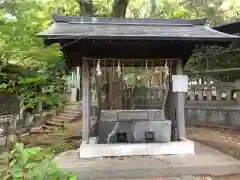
(147, 29)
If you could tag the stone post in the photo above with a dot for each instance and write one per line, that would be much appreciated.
(180, 107)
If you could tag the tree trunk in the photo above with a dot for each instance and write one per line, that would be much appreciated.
(119, 8)
(86, 8)
(153, 6)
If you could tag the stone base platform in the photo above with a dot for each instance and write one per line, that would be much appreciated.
(206, 161)
(138, 149)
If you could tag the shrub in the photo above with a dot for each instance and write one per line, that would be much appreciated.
(31, 164)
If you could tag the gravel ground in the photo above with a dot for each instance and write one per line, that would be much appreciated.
(225, 140)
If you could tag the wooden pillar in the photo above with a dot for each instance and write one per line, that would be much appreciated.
(110, 90)
(72, 79)
(171, 114)
(209, 90)
(85, 101)
(192, 94)
(69, 88)
(78, 78)
(238, 97)
(180, 110)
(218, 93)
(200, 93)
(171, 105)
(228, 94)
(209, 94)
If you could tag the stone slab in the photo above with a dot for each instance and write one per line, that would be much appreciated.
(138, 149)
(167, 178)
(161, 129)
(131, 115)
(135, 131)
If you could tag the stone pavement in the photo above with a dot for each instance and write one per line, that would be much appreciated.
(167, 178)
(230, 177)
(207, 161)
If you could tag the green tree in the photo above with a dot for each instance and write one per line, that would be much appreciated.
(37, 66)
(213, 10)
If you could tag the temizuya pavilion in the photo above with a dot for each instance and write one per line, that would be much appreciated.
(93, 43)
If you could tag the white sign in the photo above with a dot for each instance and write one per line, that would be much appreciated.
(180, 83)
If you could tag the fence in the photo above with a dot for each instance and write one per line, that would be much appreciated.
(215, 103)
(13, 118)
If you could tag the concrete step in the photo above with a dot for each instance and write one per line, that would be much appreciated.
(74, 103)
(72, 111)
(73, 106)
(51, 128)
(62, 118)
(57, 120)
(39, 130)
(67, 119)
(72, 115)
(53, 123)
(68, 115)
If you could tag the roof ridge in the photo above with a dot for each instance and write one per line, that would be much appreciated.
(132, 24)
(114, 20)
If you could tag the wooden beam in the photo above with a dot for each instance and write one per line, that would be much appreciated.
(171, 107)
(85, 101)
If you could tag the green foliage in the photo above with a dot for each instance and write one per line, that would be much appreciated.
(31, 164)
(26, 66)
(29, 84)
(37, 67)
(213, 10)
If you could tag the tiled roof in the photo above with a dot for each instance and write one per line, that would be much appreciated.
(136, 29)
